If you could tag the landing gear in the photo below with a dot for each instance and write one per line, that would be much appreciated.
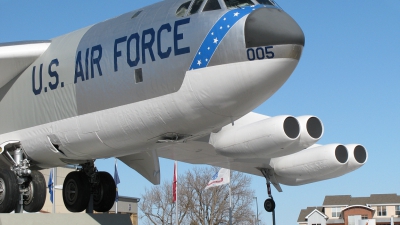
(35, 195)
(104, 193)
(20, 188)
(76, 191)
(9, 191)
(269, 204)
(79, 186)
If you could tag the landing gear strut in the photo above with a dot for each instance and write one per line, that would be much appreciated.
(269, 204)
(82, 186)
(20, 188)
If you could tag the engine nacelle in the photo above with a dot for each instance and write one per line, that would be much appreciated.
(311, 130)
(311, 162)
(256, 136)
(357, 156)
(259, 139)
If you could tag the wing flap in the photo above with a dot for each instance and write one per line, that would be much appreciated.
(15, 57)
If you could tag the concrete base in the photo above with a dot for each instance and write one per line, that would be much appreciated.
(61, 219)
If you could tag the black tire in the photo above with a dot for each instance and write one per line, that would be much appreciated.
(269, 205)
(9, 193)
(76, 191)
(104, 193)
(34, 200)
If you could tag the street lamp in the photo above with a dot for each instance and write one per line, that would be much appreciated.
(257, 209)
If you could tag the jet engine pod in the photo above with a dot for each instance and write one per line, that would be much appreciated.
(357, 158)
(312, 130)
(259, 139)
(312, 162)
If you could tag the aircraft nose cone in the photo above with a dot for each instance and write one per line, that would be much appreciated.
(270, 26)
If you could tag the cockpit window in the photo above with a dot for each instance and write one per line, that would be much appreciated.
(182, 9)
(196, 6)
(237, 3)
(265, 2)
(211, 5)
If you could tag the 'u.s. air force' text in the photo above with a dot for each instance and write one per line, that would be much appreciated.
(88, 62)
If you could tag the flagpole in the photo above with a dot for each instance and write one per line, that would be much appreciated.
(54, 189)
(176, 203)
(230, 201)
(116, 204)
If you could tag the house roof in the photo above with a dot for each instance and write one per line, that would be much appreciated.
(345, 200)
(305, 212)
(337, 200)
(384, 199)
(317, 211)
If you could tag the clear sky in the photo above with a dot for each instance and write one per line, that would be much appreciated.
(348, 76)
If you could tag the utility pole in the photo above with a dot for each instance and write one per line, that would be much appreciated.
(257, 209)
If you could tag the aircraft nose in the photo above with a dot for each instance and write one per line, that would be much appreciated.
(271, 26)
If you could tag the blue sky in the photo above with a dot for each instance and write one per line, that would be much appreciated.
(348, 76)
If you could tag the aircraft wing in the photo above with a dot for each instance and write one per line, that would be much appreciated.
(15, 57)
(197, 152)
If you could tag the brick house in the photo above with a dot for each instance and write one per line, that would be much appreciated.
(379, 209)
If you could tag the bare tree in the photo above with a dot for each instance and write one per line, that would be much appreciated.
(198, 206)
(158, 207)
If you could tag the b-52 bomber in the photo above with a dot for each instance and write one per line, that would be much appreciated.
(177, 79)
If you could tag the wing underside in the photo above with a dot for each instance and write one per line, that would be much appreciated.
(15, 57)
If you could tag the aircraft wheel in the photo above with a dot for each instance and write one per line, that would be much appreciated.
(269, 205)
(76, 191)
(36, 195)
(9, 191)
(104, 193)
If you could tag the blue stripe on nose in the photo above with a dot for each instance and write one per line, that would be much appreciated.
(217, 33)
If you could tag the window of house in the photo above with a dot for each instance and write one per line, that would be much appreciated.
(381, 210)
(336, 212)
(364, 217)
(211, 5)
(397, 208)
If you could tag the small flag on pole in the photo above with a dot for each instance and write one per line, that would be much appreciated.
(116, 180)
(222, 177)
(50, 185)
(174, 183)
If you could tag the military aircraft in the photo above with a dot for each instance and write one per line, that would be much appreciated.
(177, 79)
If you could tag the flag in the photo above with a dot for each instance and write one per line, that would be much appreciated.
(116, 180)
(50, 185)
(174, 184)
(222, 177)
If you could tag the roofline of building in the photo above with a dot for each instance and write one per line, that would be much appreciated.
(387, 204)
(326, 217)
(135, 200)
(362, 206)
